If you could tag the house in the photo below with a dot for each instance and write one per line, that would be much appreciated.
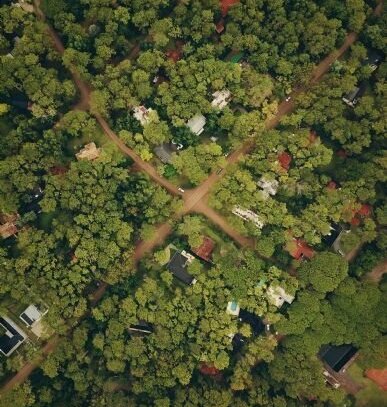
(351, 98)
(337, 357)
(204, 251)
(178, 264)
(270, 186)
(278, 296)
(7, 230)
(32, 314)
(299, 249)
(8, 226)
(248, 215)
(142, 328)
(142, 114)
(284, 160)
(336, 245)
(196, 124)
(11, 336)
(164, 152)
(208, 369)
(358, 215)
(332, 236)
(89, 152)
(374, 59)
(233, 308)
(256, 323)
(225, 6)
(221, 98)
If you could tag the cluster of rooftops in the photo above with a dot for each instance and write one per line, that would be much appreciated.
(12, 336)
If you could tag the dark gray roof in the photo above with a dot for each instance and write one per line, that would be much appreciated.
(337, 356)
(177, 266)
(164, 152)
(9, 343)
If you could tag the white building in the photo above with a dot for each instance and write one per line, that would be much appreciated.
(221, 98)
(233, 308)
(142, 114)
(248, 215)
(196, 124)
(270, 186)
(278, 296)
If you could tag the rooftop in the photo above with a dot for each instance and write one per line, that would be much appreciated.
(12, 338)
(88, 152)
(196, 124)
(278, 296)
(32, 314)
(142, 114)
(221, 98)
(204, 251)
(177, 266)
(285, 159)
(336, 357)
(233, 308)
(298, 249)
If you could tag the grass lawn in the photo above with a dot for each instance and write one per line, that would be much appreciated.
(371, 395)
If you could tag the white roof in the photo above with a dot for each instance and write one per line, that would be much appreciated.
(277, 295)
(221, 98)
(233, 308)
(31, 315)
(196, 124)
(268, 185)
(248, 215)
(141, 113)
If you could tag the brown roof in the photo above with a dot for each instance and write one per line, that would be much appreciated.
(205, 250)
(7, 230)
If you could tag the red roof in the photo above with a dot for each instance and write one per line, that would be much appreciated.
(364, 211)
(331, 185)
(341, 153)
(174, 54)
(209, 370)
(298, 248)
(285, 159)
(58, 170)
(225, 6)
(379, 376)
(206, 248)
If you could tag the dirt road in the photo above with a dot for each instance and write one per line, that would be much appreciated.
(28, 368)
(194, 200)
(377, 273)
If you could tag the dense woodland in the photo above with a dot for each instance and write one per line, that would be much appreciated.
(79, 221)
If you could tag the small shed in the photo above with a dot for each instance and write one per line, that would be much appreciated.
(269, 185)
